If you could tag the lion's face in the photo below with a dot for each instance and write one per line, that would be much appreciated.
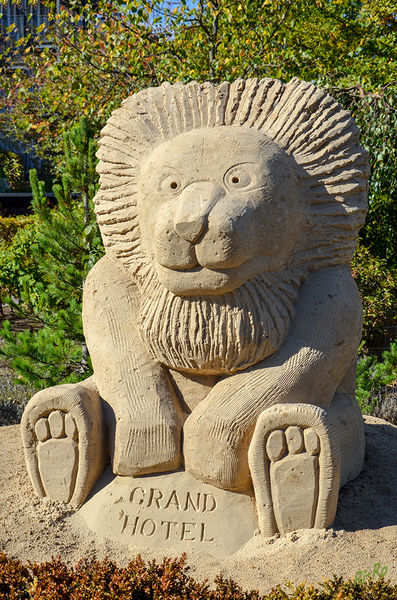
(217, 206)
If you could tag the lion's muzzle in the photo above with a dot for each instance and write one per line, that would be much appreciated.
(194, 205)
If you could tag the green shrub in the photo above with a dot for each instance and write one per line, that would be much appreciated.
(168, 580)
(9, 227)
(45, 267)
(13, 171)
(19, 267)
(377, 283)
(373, 376)
(376, 117)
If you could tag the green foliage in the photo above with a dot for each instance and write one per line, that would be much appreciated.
(377, 283)
(373, 375)
(19, 268)
(9, 227)
(126, 46)
(376, 116)
(12, 171)
(45, 267)
(168, 580)
(50, 355)
(346, 46)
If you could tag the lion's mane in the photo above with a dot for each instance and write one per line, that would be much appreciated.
(307, 124)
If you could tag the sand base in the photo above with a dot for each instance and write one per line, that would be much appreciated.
(169, 510)
(364, 532)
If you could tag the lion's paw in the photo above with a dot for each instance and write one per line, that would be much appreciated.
(294, 463)
(146, 445)
(215, 454)
(294, 475)
(63, 438)
(57, 454)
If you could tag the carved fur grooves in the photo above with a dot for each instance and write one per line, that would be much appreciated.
(301, 118)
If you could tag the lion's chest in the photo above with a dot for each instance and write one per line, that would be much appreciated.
(191, 389)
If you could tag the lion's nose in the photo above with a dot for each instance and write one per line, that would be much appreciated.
(194, 206)
(190, 230)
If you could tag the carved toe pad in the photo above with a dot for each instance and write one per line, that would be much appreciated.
(64, 444)
(294, 463)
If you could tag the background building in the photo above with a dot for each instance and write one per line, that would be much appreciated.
(26, 17)
(17, 20)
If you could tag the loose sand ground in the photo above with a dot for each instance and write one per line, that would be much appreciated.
(364, 532)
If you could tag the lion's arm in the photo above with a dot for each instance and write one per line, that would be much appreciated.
(322, 343)
(308, 368)
(120, 360)
(319, 350)
(134, 387)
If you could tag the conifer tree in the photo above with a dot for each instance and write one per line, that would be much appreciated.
(67, 244)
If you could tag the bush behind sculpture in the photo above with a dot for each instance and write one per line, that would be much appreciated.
(43, 268)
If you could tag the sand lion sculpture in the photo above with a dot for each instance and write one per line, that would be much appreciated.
(223, 321)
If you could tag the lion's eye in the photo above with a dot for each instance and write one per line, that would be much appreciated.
(172, 183)
(239, 177)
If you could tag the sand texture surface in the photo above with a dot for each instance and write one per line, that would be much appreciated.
(364, 532)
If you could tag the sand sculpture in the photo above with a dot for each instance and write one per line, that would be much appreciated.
(223, 322)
